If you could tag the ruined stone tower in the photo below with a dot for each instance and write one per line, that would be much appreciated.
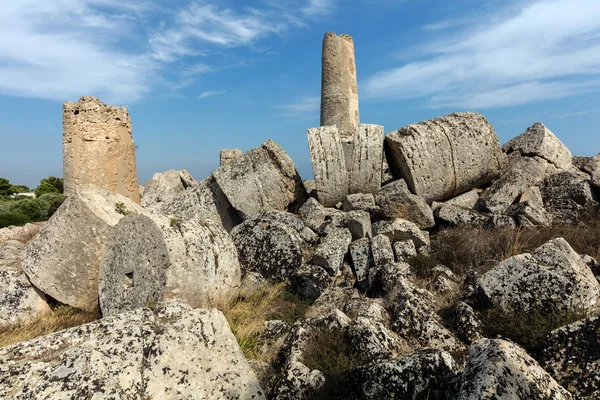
(339, 92)
(98, 148)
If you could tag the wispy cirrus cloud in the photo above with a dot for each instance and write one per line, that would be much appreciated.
(518, 54)
(123, 50)
(305, 106)
(205, 95)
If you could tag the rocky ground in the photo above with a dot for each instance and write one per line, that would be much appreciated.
(472, 277)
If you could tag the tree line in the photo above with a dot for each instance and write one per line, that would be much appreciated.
(18, 209)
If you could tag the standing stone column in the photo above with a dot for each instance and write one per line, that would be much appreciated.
(339, 91)
(98, 148)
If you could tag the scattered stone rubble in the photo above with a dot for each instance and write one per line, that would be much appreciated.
(343, 242)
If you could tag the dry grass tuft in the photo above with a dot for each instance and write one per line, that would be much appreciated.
(247, 316)
(61, 318)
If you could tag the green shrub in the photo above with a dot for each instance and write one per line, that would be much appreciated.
(52, 202)
(13, 219)
(33, 208)
(44, 188)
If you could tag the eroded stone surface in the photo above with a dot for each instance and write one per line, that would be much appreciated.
(330, 253)
(149, 259)
(427, 373)
(175, 353)
(446, 156)
(572, 357)
(497, 369)
(98, 148)
(227, 156)
(551, 278)
(365, 172)
(64, 258)
(23, 234)
(328, 163)
(401, 229)
(166, 185)
(263, 179)
(394, 200)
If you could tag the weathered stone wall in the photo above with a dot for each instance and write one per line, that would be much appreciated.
(339, 91)
(98, 147)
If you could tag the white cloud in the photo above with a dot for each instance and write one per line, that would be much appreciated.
(304, 106)
(205, 95)
(123, 50)
(543, 49)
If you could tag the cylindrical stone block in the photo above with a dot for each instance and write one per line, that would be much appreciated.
(339, 91)
(98, 148)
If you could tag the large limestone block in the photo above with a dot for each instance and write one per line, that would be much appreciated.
(205, 200)
(445, 156)
(591, 166)
(500, 370)
(19, 300)
(151, 258)
(541, 142)
(339, 90)
(427, 373)
(98, 148)
(572, 357)
(271, 244)
(365, 172)
(329, 166)
(551, 278)
(263, 179)
(394, 200)
(166, 185)
(173, 353)
(64, 258)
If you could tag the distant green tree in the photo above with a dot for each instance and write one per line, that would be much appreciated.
(5, 187)
(20, 189)
(10, 219)
(51, 203)
(44, 188)
(56, 182)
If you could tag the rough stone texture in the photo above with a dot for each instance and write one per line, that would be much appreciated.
(309, 281)
(339, 91)
(263, 179)
(592, 264)
(551, 278)
(149, 259)
(427, 373)
(329, 167)
(404, 249)
(530, 211)
(19, 300)
(314, 214)
(98, 148)
(384, 279)
(394, 200)
(465, 323)
(23, 234)
(500, 370)
(452, 215)
(296, 380)
(64, 258)
(330, 253)
(567, 194)
(522, 173)
(174, 353)
(310, 187)
(572, 357)
(591, 166)
(351, 302)
(359, 224)
(228, 156)
(401, 229)
(539, 141)
(205, 200)
(443, 280)
(382, 250)
(413, 316)
(362, 261)
(270, 246)
(359, 202)
(372, 340)
(166, 185)
(466, 200)
(365, 172)
(446, 156)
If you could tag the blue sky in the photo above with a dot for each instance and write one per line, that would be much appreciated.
(203, 75)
